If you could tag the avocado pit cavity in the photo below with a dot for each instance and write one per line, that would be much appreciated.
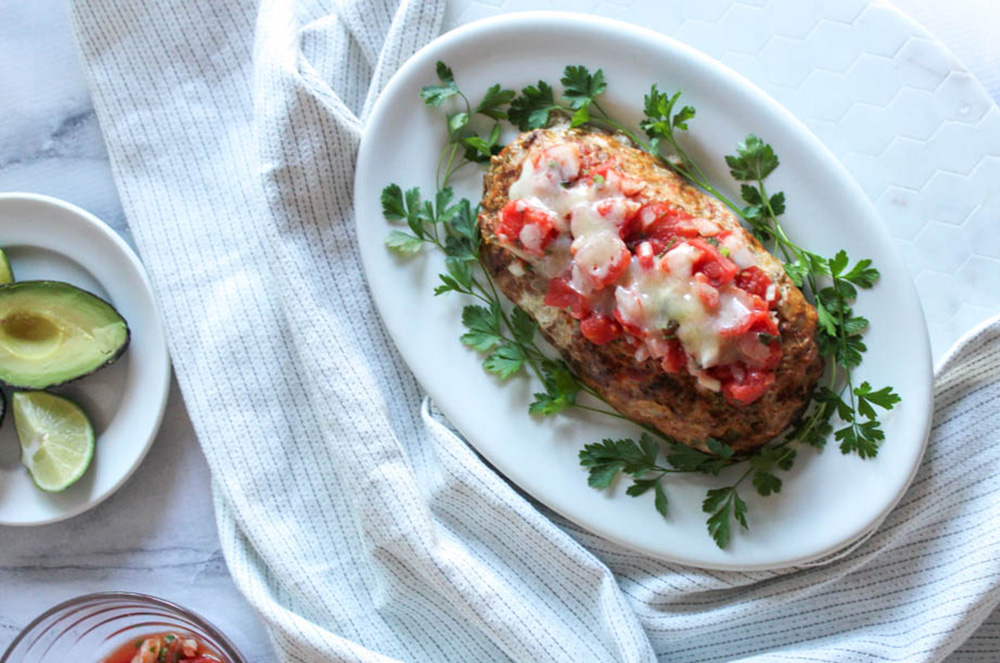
(29, 335)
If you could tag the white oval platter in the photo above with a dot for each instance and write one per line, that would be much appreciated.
(828, 499)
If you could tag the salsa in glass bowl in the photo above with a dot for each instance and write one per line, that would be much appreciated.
(169, 647)
(121, 627)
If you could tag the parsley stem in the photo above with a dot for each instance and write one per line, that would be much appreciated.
(596, 104)
(743, 477)
(842, 339)
(447, 168)
(495, 296)
(600, 411)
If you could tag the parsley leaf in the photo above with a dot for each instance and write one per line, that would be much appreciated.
(797, 271)
(607, 458)
(463, 223)
(479, 149)
(393, 207)
(723, 504)
(855, 325)
(403, 243)
(660, 500)
(493, 102)
(863, 274)
(861, 439)
(719, 448)
(507, 360)
(766, 483)
(457, 122)
(523, 326)
(641, 486)
(884, 398)
(483, 325)
(661, 120)
(754, 160)
(458, 279)
(828, 396)
(581, 87)
(443, 209)
(581, 116)
(765, 462)
(434, 95)
(399, 206)
(531, 109)
(625, 455)
(687, 459)
(838, 263)
(561, 388)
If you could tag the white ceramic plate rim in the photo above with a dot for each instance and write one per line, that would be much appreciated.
(155, 375)
(371, 177)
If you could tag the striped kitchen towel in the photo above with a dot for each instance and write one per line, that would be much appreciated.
(358, 525)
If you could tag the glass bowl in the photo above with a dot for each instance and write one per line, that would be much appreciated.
(91, 627)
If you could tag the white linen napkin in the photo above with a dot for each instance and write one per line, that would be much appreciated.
(357, 524)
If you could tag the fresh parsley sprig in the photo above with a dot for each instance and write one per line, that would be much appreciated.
(834, 284)
(463, 142)
(508, 339)
(608, 458)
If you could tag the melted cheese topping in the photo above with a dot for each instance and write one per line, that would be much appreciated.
(668, 296)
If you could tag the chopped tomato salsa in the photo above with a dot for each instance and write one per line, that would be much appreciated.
(718, 269)
(755, 281)
(675, 361)
(164, 648)
(659, 224)
(678, 289)
(530, 227)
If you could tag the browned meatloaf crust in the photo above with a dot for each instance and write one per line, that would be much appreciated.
(643, 391)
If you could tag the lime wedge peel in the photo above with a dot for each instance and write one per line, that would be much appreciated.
(6, 272)
(57, 439)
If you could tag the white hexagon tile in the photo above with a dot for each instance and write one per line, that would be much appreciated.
(902, 114)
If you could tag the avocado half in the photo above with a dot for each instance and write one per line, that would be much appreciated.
(53, 332)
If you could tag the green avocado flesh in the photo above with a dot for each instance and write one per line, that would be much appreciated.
(53, 332)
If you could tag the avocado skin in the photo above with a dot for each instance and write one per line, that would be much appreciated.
(61, 286)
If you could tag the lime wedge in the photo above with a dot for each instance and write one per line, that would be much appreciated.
(6, 273)
(57, 439)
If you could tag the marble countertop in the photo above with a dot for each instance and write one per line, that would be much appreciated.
(157, 534)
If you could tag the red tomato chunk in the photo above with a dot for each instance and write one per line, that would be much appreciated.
(717, 268)
(755, 281)
(600, 329)
(745, 390)
(675, 360)
(529, 227)
(562, 295)
(661, 225)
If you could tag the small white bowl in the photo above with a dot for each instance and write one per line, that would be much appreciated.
(50, 239)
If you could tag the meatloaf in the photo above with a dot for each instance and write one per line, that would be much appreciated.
(651, 290)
